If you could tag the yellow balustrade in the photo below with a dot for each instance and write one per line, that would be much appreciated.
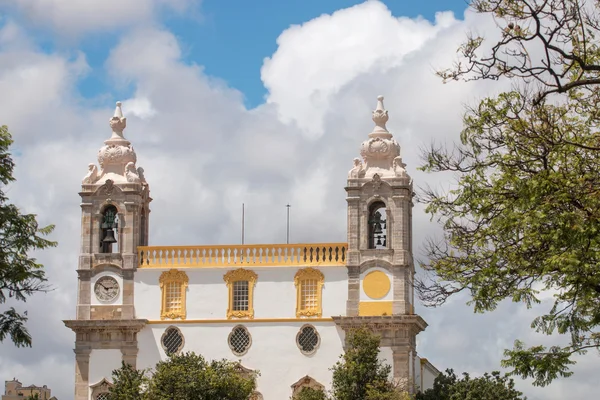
(329, 254)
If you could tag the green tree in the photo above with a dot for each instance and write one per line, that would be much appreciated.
(524, 216)
(310, 394)
(359, 375)
(488, 387)
(34, 396)
(128, 383)
(20, 274)
(190, 376)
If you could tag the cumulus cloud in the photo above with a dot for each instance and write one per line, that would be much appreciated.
(204, 154)
(79, 17)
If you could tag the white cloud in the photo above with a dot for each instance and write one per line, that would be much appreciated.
(204, 154)
(73, 18)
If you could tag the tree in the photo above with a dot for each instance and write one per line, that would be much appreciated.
(310, 394)
(524, 216)
(128, 383)
(488, 387)
(359, 375)
(183, 377)
(20, 274)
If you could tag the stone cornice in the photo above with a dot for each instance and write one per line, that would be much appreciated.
(78, 325)
(382, 322)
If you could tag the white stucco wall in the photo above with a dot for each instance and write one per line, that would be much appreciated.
(386, 357)
(425, 374)
(102, 363)
(94, 300)
(273, 351)
(429, 375)
(207, 294)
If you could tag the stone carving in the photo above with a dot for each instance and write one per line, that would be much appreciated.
(140, 173)
(380, 116)
(376, 181)
(116, 154)
(358, 170)
(399, 167)
(131, 173)
(109, 187)
(92, 175)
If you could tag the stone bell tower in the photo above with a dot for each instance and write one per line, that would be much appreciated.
(115, 202)
(380, 259)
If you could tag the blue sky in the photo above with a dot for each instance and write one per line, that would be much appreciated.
(231, 38)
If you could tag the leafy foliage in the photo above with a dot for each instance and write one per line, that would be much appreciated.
(183, 377)
(488, 387)
(359, 375)
(310, 394)
(20, 275)
(524, 214)
(128, 383)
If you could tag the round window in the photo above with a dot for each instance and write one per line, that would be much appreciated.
(239, 340)
(308, 339)
(172, 340)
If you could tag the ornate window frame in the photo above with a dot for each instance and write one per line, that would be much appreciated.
(162, 338)
(100, 388)
(314, 350)
(173, 276)
(306, 382)
(231, 347)
(237, 275)
(301, 276)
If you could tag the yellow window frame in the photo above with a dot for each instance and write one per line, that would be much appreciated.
(180, 278)
(301, 277)
(237, 275)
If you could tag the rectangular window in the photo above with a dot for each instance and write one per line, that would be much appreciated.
(240, 296)
(173, 298)
(308, 294)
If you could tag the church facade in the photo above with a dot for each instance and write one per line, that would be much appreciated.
(280, 309)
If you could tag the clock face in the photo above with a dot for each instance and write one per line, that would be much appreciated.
(106, 289)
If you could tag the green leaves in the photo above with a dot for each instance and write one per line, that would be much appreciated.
(20, 274)
(524, 216)
(183, 377)
(492, 386)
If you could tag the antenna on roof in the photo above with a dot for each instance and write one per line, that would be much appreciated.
(243, 216)
(288, 224)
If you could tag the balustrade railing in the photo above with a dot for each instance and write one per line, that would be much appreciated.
(242, 255)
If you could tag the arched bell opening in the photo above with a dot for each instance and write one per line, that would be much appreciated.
(377, 226)
(109, 228)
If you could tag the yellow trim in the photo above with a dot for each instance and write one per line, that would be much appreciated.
(173, 276)
(264, 255)
(371, 308)
(299, 280)
(376, 285)
(255, 320)
(237, 275)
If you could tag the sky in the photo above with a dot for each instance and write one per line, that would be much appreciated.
(228, 102)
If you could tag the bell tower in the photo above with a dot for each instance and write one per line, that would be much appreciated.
(380, 258)
(115, 202)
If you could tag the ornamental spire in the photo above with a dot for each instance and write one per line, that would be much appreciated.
(380, 117)
(118, 123)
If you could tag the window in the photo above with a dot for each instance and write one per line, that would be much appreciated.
(102, 396)
(173, 284)
(241, 290)
(109, 228)
(309, 288)
(308, 339)
(239, 340)
(172, 340)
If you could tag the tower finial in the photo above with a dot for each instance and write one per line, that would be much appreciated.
(118, 122)
(380, 117)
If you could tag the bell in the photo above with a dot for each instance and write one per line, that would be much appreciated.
(377, 229)
(109, 237)
(378, 240)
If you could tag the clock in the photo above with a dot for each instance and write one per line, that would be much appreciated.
(106, 289)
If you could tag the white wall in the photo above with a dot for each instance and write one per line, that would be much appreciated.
(207, 295)
(118, 300)
(102, 363)
(429, 376)
(273, 352)
(386, 356)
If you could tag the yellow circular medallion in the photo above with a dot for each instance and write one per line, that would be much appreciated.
(376, 284)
